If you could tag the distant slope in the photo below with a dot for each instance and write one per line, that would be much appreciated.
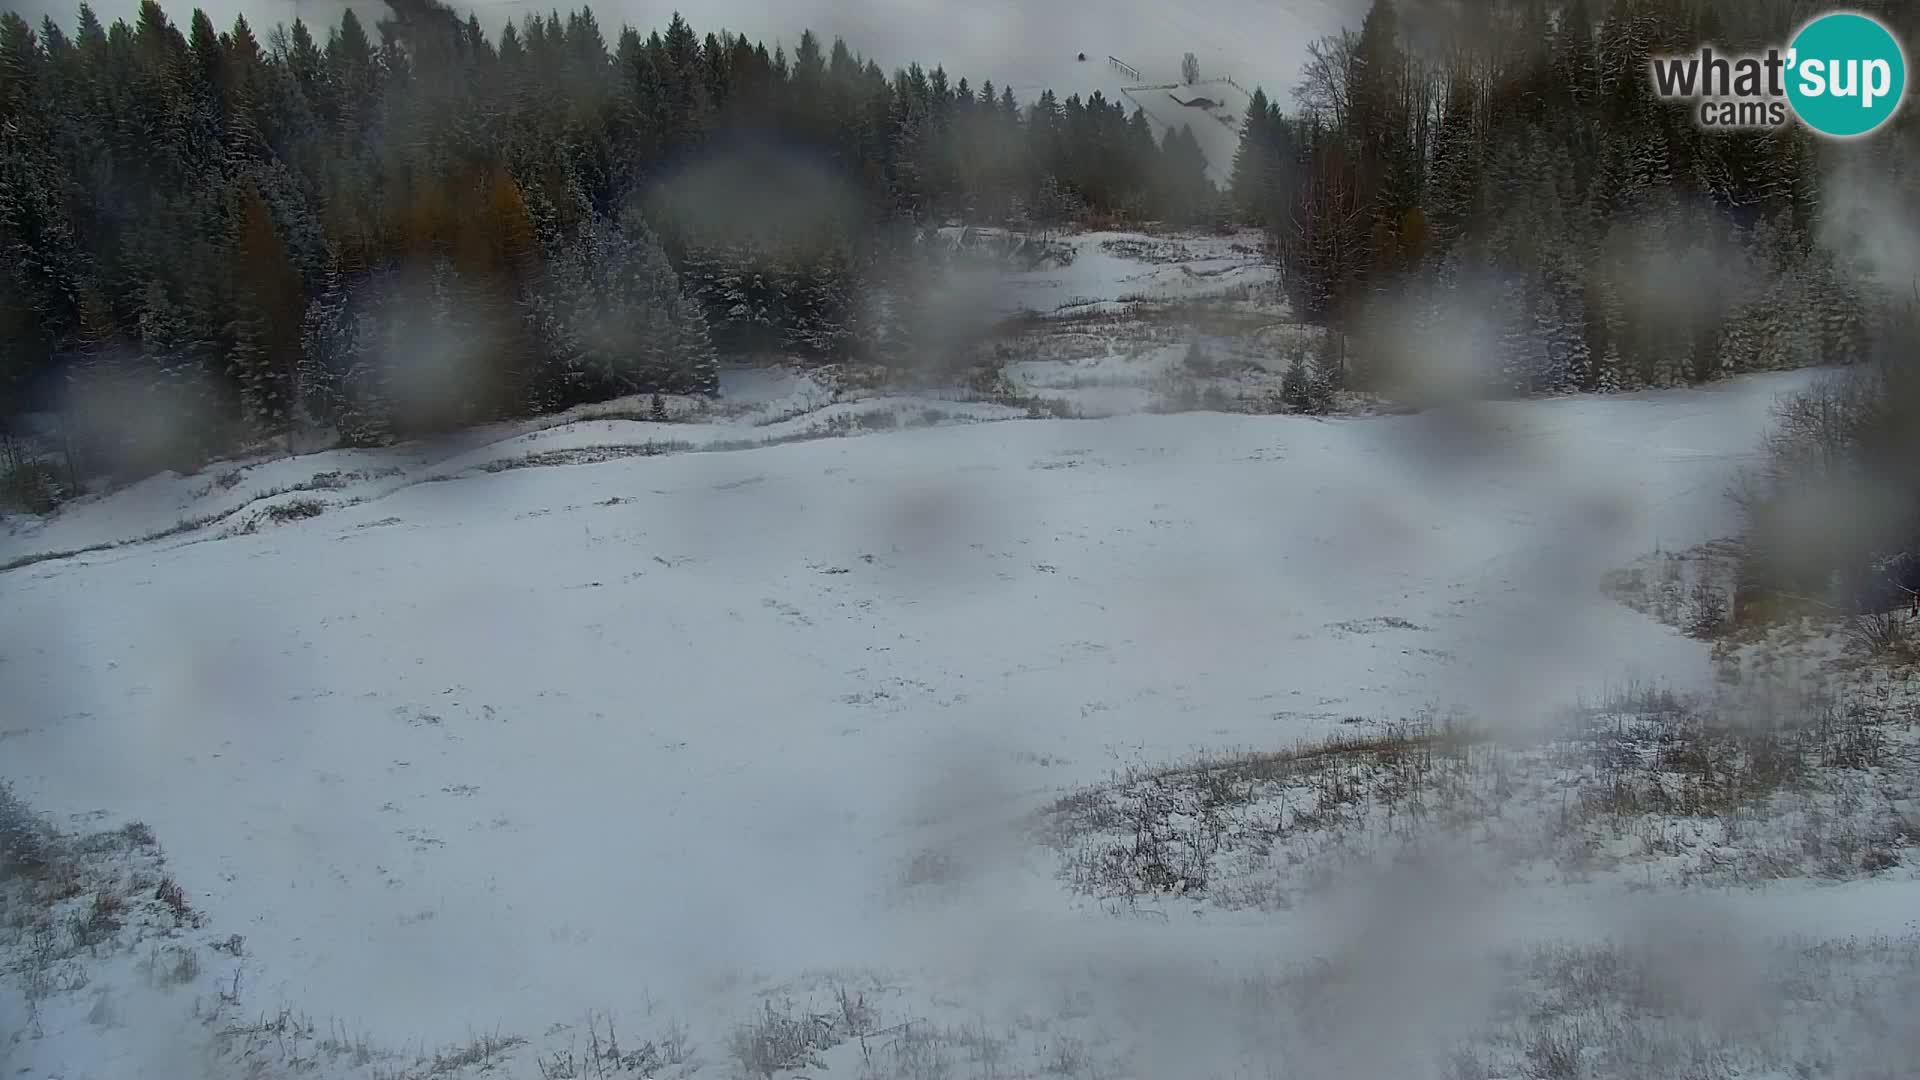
(1217, 125)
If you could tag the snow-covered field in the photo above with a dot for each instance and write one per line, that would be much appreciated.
(607, 727)
(1091, 272)
(1087, 369)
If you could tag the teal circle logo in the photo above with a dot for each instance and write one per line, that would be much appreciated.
(1846, 74)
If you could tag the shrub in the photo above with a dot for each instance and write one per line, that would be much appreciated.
(1842, 453)
(1882, 633)
(777, 1042)
(175, 898)
(1044, 408)
(295, 510)
(29, 485)
(1709, 611)
(27, 842)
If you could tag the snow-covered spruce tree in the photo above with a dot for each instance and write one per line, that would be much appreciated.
(1563, 331)
(820, 299)
(1296, 384)
(320, 333)
(266, 310)
(43, 262)
(1520, 345)
(1839, 310)
(162, 331)
(736, 293)
(1606, 322)
(550, 304)
(612, 319)
(1327, 372)
(122, 150)
(685, 359)
(698, 367)
(345, 387)
(1255, 161)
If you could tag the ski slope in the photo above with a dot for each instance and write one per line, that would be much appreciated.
(497, 751)
(1215, 127)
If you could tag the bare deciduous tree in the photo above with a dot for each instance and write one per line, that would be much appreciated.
(1189, 69)
(1324, 92)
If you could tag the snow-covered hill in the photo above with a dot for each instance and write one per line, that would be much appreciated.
(1056, 280)
(729, 738)
(501, 751)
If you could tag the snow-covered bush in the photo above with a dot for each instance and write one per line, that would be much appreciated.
(27, 842)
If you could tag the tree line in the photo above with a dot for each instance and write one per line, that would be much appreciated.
(419, 226)
(1505, 173)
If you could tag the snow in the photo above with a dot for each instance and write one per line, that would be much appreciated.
(1102, 271)
(472, 754)
(1217, 128)
(698, 723)
(1101, 385)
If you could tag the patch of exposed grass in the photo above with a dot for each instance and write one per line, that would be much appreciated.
(585, 455)
(1743, 787)
(294, 510)
(70, 901)
(1182, 829)
(1691, 591)
(782, 1040)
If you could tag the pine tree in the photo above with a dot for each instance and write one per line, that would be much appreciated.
(1296, 385)
(1328, 374)
(268, 311)
(1255, 160)
(698, 364)
(189, 197)
(1456, 165)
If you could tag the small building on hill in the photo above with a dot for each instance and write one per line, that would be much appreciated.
(1192, 99)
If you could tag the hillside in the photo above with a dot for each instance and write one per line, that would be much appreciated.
(846, 730)
(652, 738)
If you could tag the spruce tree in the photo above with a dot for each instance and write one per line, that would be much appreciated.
(1296, 383)
(1255, 160)
(183, 197)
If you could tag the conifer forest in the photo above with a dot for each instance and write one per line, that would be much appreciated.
(233, 219)
(1005, 540)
